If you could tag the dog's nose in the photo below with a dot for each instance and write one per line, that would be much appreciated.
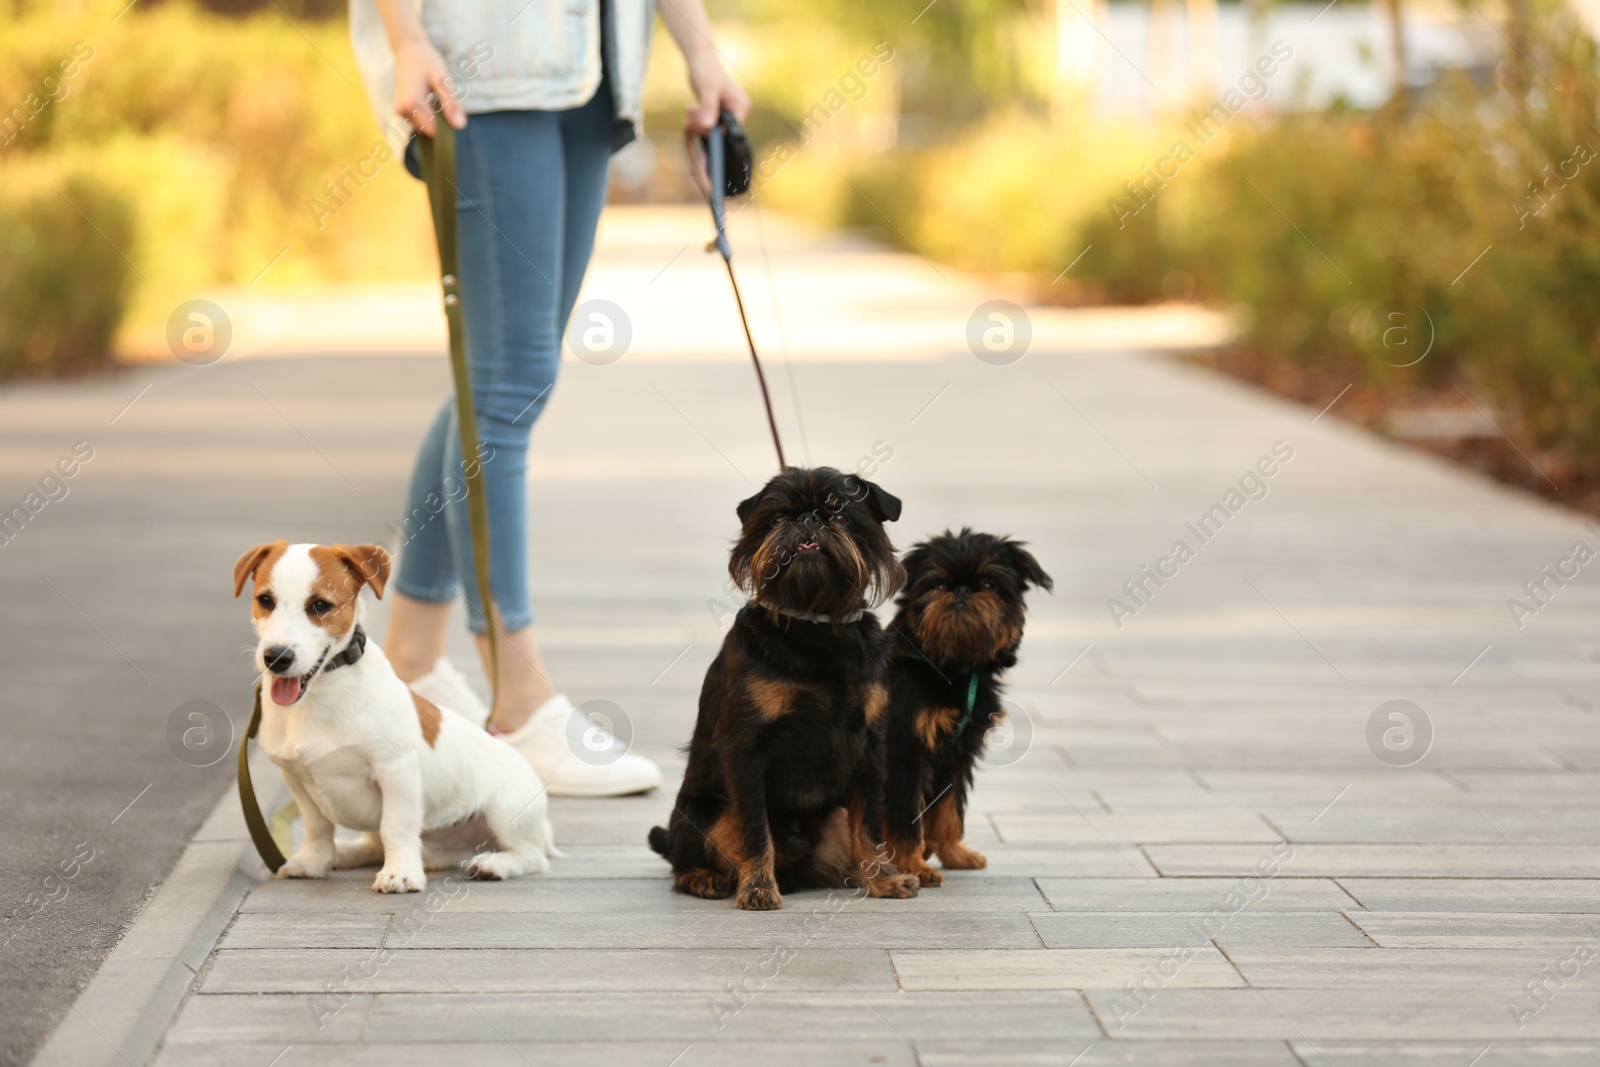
(962, 592)
(278, 658)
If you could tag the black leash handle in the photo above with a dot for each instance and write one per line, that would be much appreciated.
(716, 191)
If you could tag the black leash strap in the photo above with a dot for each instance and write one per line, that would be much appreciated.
(716, 190)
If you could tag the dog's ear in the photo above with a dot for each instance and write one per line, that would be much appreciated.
(246, 567)
(1028, 567)
(369, 563)
(885, 506)
(747, 506)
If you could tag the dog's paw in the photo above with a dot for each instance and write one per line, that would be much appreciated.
(928, 878)
(759, 898)
(400, 880)
(962, 858)
(703, 883)
(493, 867)
(303, 866)
(894, 886)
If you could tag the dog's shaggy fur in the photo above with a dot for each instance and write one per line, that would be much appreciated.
(956, 633)
(785, 775)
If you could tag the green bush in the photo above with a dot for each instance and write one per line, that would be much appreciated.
(62, 281)
(219, 135)
(1354, 238)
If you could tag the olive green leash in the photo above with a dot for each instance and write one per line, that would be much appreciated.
(439, 168)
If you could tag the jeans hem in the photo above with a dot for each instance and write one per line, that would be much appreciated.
(427, 596)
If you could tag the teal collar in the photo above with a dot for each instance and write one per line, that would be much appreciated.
(972, 693)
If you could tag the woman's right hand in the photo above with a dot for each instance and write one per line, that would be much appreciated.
(419, 70)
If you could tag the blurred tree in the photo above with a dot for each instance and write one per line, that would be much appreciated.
(1397, 42)
(959, 59)
(294, 9)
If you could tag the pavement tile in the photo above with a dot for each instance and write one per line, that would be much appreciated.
(888, 1052)
(1163, 930)
(1102, 1053)
(1393, 1013)
(1060, 968)
(479, 970)
(1527, 895)
(1187, 895)
(718, 924)
(1479, 929)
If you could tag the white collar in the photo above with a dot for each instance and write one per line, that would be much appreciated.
(815, 616)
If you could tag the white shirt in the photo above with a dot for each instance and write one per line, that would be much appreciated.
(515, 55)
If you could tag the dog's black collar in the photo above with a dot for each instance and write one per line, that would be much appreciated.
(352, 652)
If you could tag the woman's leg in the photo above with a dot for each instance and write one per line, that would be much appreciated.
(585, 162)
(512, 192)
(424, 586)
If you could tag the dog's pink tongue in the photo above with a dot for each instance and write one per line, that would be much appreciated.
(285, 690)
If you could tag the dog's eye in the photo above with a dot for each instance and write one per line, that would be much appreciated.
(319, 607)
(266, 602)
(939, 587)
(986, 584)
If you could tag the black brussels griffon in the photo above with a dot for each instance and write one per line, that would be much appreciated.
(784, 787)
(956, 633)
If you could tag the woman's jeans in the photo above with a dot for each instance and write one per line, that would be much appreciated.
(531, 186)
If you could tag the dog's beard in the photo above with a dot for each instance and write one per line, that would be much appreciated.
(970, 633)
(836, 577)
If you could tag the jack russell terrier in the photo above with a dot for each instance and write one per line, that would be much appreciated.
(359, 749)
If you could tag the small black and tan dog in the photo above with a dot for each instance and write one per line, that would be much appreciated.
(956, 633)
(784, 787)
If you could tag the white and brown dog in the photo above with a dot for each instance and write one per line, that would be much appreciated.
(360, 750)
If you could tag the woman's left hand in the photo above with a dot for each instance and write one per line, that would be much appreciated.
(713, 90)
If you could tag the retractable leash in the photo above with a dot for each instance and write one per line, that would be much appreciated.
(722, 181)
(439, 168)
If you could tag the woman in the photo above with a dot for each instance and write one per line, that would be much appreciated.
(542, 92)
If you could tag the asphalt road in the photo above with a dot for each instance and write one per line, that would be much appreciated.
(118, 611)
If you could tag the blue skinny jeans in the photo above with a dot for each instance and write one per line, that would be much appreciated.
(531, 186)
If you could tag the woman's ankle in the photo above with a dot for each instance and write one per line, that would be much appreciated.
(517, 705)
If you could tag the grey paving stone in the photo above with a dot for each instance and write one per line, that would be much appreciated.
(608, 896)
(888, 1052)
(1102, 1053)
(805, 920)
(1157, 930)
(1397, 1014)
(1479, 929)
(1063, 861)
(1419, 1054)
(545, 970)
(214, 1022)
(1527, 895)
(329, 930)
(1501, 970)
(1313, 860)
(1187, 895)
(779, 1016)
(1495, 825)
(1060, 968)
(1091, 825)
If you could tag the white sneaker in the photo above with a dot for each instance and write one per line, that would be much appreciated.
(579, 757)
(448, 688)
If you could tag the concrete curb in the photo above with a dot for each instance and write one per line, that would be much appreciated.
(120, 1019)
